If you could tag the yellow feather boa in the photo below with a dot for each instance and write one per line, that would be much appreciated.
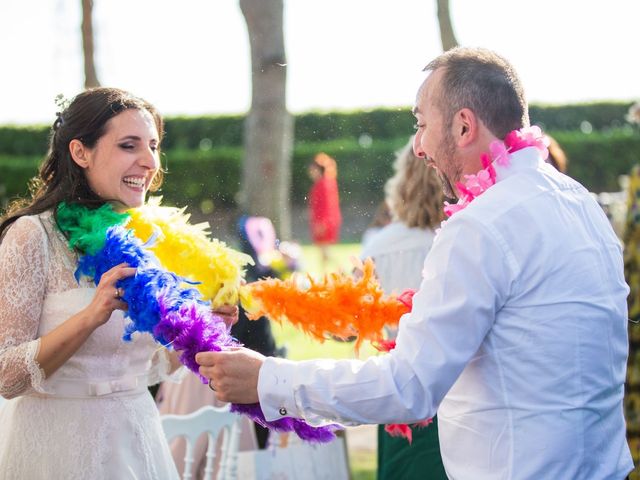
(188, 251)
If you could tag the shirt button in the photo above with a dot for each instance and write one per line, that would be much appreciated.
(282, 411)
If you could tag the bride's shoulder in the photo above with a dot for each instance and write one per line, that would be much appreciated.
(26, 226)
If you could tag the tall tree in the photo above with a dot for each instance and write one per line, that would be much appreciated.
(268, 129)
(90, 76)
(447, 36)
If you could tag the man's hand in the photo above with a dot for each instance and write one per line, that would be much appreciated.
(233, 373)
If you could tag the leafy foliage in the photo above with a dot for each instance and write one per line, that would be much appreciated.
(203, 155)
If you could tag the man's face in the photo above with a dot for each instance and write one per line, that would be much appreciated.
(434, 140)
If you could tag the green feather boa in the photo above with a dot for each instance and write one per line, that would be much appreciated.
(86, 229)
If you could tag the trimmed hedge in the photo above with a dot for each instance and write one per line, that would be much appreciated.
(193, 133)
(208, 179)
(603, 116)
(15, 173)
(212, 178)
(598, 159)
(24, 141)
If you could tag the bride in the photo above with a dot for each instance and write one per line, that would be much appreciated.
(79, 405)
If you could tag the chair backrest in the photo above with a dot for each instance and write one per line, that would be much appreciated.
(214, 421)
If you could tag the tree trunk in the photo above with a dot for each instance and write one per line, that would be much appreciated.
(268, 129)
(447, 36)
(90, 76)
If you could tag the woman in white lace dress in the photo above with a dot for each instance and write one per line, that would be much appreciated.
(78, 403)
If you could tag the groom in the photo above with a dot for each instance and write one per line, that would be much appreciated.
(518, 334)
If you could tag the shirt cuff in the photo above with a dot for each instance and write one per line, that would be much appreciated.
(275, 389)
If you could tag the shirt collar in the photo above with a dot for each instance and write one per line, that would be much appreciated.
(527, 158)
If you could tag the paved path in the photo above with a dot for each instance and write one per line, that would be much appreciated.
(364, 437)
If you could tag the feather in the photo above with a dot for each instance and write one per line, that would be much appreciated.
(399, 430)
(86, 228)
(337, 305)
(187, 250)
(305, 431)
(158, 300)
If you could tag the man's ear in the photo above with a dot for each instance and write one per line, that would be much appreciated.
(465, 127)
(79, 153)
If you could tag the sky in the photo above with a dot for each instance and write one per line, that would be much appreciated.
(191, 57)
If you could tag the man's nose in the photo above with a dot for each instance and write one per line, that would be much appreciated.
(417, 148)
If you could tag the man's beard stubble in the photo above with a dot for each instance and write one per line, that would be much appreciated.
(447, 151)
(447, 188)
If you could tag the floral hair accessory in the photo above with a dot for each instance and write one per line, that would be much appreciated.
(62, 104)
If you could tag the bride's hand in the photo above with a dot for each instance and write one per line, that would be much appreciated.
(228, 313)
(108, 296)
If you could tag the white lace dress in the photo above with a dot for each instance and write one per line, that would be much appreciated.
(93, 418)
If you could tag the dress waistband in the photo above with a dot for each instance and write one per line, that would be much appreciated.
(72, 388)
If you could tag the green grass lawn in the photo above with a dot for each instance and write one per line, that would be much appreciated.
(301, 347)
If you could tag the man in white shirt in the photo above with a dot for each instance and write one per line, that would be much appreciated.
(518, 335)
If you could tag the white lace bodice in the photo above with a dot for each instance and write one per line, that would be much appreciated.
(93, 417)
(39, 292)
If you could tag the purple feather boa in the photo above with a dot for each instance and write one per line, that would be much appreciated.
(303, 430)
(177, 317)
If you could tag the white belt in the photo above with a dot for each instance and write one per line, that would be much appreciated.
(72, 388)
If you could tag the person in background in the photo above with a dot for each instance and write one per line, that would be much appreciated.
(520, 347)
(325, 217)
(414, 196)
(556, 157)
(381, 218)
(631, 239)
(271, 260)
(257, 237)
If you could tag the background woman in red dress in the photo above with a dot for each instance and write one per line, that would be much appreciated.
(324, 204)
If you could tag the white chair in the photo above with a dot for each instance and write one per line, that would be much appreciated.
(214, 421)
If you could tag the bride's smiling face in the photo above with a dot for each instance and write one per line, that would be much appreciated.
(122, 164)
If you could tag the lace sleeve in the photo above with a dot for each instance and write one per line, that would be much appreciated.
(23, 261)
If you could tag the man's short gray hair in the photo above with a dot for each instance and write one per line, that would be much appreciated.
(485, 83)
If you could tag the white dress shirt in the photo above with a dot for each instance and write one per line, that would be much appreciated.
(517, 338)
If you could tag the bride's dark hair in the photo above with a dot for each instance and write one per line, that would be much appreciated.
(59, 177)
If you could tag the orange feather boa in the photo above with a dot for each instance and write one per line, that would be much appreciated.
(338, 305)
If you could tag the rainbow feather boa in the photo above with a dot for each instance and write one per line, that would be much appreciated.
(163, 302)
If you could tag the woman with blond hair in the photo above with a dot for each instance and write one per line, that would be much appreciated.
(414, 196)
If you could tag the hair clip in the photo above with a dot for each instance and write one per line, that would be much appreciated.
(59, 121)
(62, 103)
